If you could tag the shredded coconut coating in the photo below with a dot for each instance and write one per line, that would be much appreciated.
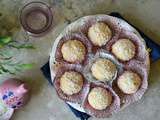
(129, 82)
(99, 98)
(103, 69)
(71, 82)
(73, 50)
(99, 34)
(124, 49)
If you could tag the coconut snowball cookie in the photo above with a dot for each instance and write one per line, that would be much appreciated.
(71, 82)
(99, 33)
(103, 69)
(99, 98)
(129, 82)
(73, 50)
(124, 49)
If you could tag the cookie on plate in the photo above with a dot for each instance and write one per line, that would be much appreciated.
(99, 33)
(124, 49)
(129, 82)
(103, 69)
(99, 98)
(73, 50)
(71, 82)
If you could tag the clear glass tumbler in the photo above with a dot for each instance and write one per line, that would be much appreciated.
(36, 18)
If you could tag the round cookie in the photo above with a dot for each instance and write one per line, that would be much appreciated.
(99, 98)
(73, 50)
(71, 82)
(103, 69)
(99, 33)
(124, 49)
(129, 82)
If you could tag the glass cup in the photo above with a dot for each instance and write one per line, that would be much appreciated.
(36, 18)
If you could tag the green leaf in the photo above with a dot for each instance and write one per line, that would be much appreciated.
(4, 41)
(13, 68)
(5, 70)
(6, 53)
(27, 46)
(1, 71)
(22, 46)
(25, 66)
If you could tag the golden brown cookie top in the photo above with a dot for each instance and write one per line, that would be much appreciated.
(99, 33)
(99, 98)
(73, 50)
(71, 82)
(103, 69)
(129, 82)
(124, 49)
